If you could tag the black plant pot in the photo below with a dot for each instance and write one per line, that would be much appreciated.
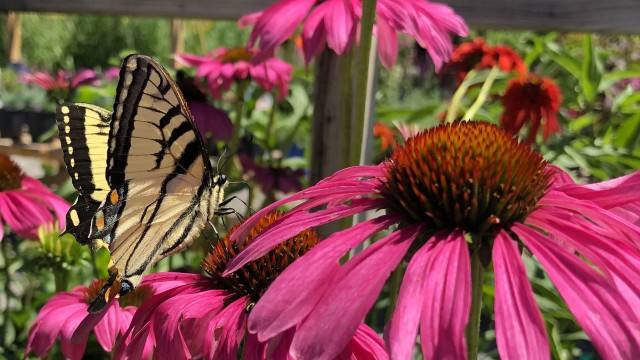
(13, 121)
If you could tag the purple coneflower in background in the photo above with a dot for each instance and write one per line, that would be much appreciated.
(462, 194)
(25, 203)
(64, 84)
(223, 67)
(206, 316)
(336, 24)
(65, 316)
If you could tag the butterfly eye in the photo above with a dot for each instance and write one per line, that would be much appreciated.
(222, 179)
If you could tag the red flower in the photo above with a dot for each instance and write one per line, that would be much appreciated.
(534, 99)
(479, 55)
(504, 57)
(386, 135)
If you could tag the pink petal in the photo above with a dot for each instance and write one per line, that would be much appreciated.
(340, 25)
(367, 344)
(587, 293)
(249, 19)
(294, 293)
(314, 35)
(328, 329)
(342, 182)
(520, 331)
(403, 327)
(278, 22)
(593, 212)
(607, 194)
(619, 261)
(387, 42)
(445, 312)
(295, 223)
(226, 330)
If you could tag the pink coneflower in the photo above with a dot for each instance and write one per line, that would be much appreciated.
(223, 67)
(64, 84)
(534, 100)
(460, 194)
(206, 317)
(65, 317)
(25, 203)
(336, 24)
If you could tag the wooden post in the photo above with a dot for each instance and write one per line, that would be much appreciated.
(14, 37)
(177, 41)
(326, 154)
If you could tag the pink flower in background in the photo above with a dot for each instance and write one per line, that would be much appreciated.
(335, 23)
(112, 74)
(209, 119)
(63, 81)
(282, 178)
(207, 315)
(223, 67)
(456, 191)
(65, 317)
(25, 203)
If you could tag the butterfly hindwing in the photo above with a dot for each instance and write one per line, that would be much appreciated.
(84, 132)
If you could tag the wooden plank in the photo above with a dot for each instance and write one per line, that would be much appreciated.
(566, 15)
(204, 9)
(613, 16)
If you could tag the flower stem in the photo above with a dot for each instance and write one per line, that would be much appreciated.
(473, 328)
(269, 128)
(484, 92)
(346, 106)
(454, 105)
(62, 280)
(241, 87)
(362, 77)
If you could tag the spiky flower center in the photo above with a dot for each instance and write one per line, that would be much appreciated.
(468, 175)
(133, 298)
(10, 174)
(236, 54)
(253, 279)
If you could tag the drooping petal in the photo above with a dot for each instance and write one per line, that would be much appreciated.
(520, 331)
(447, 302)
(403, 328)
(277, 23)
(294, 293)
(387, 42)
(340, 25)
(345, 304)
(587, 293)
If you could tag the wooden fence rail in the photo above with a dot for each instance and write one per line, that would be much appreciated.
(615, 16)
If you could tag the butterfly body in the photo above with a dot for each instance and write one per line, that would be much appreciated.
(146, 186)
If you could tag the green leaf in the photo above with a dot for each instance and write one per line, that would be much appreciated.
(589, 74)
